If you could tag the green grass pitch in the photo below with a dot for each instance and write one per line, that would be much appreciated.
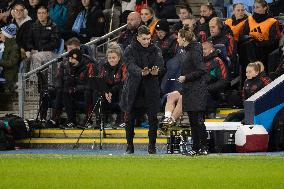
(140, 171)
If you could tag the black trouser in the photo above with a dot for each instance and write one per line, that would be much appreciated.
(198, 130)
(130, 121)
(72, 102)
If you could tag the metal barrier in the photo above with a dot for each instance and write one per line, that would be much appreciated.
(27, 87)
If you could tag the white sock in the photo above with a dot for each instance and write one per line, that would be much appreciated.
(168, 114)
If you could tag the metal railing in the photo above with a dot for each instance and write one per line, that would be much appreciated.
(24, 78)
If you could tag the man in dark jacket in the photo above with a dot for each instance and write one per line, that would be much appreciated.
(221, 34)
(133, 22)
(43, 39)
(141, 91)
(73, 77)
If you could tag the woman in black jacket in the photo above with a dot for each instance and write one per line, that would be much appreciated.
(194, 89)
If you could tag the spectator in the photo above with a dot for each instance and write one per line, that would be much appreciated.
(112, 11)
(128, 5)
(32, 8)
(139, 4)
(165, 9)
(90, 22)
(43, 39)
(141, 91)
(260, 35)
(24, 23)
(74, 7)
(74, 43)
(5, 12)
(58, 13)
(207, 13)
(11, 56)
(133, 22)
(237, 22)
(72, 78)
(149, 19)
(165, 41)
(184, 13)
(192, 24)
(113, 72)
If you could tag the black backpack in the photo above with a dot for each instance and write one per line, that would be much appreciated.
(6, 139)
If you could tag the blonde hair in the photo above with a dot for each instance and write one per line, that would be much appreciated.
(114, 47)
(257, 66)
(187, 34)
(260, 65)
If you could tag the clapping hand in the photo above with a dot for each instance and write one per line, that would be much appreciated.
(154, 70)
(145, 71)
(108, 97)
(181, 79)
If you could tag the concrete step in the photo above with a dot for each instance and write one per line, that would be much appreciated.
(88, 143)
(88, 133)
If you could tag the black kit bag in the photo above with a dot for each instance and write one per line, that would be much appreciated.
(17, 125)
(6, 139)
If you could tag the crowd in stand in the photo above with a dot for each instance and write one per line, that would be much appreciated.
(245, 46)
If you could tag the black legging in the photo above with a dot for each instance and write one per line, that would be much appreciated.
(198, 130)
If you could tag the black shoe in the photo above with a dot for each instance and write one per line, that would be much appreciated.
(70, 125)
(191, 153)
(203, 152)
(152, 150)
(129, 149)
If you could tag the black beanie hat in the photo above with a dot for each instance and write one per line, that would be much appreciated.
(163, 25)
(18, 2)
(76, 54)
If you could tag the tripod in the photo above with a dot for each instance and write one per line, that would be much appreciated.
(99, 105)
(97, 84)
